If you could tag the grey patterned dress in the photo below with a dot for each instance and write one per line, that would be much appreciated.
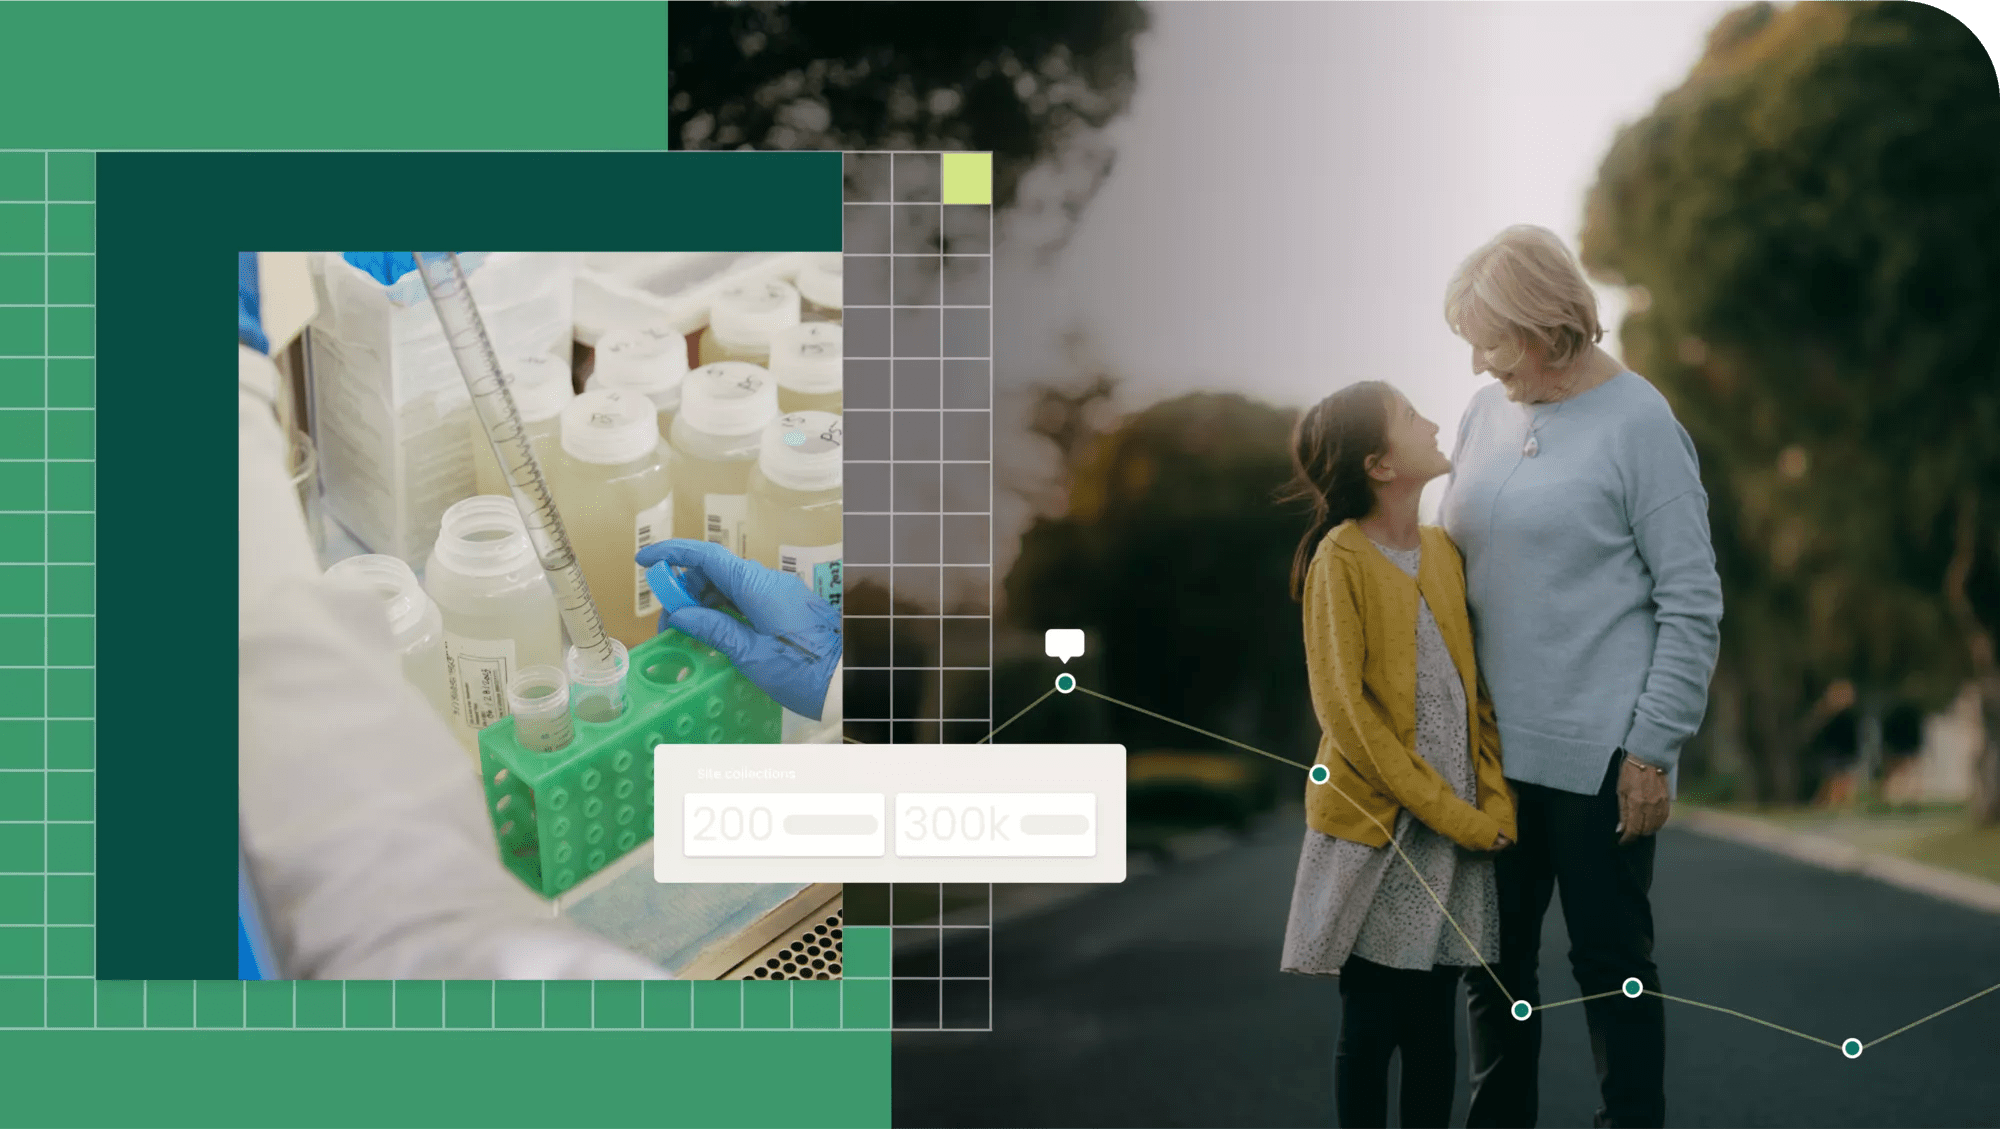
(1352, 898)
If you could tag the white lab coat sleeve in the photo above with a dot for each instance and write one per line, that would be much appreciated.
(362, 822)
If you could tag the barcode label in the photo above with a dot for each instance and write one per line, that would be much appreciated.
(816, 566)
(651, 525)
(476, 673)
(722, 521)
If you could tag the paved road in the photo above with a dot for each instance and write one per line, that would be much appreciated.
(1159, 1003)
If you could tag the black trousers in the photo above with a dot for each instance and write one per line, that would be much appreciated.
(1383, 1010)
(1569, 842)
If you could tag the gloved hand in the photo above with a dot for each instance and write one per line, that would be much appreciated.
(384, 266)
(792, 642)
(249, 312)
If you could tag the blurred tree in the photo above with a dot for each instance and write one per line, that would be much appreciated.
(1812, 223)
(879, 634)
(1033, 83)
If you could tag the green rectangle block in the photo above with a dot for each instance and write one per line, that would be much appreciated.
(72, 227)
(72, 848)
(169, 1003)
(218, 1003)
(21, 741)
(20, 792)
(72, 538)
(667, 1004)
(468, 1004)
(617, 1003)
(72, 486)
(71, 899)
(718, 1003)
(517, 1003)
(23, 639)
(21, 846)
(21, 899)
(121, 1003)
(72, 641)
(72, 951)
(371, 1003)
(23, 486)
(21, 229)
(419, 1003)
(72, 383)
(20, 951)
(22, 538)
(768, 1003)
(268, 1003)
(72, 435)
(565, 1004)
(72, 589)
(72, 176)
(72, 1003)
(72, 331)
(865, 952)
(815, 1004)
(23, 176)
(21, 1003)
(21, 282)
(72, 744)
(21, 387)
(72, 693)
(72, 279)
(321, 1003)
(865, 1004)
(22, 330)
(70, 793)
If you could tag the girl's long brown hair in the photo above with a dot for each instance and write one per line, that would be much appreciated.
(1330, 448)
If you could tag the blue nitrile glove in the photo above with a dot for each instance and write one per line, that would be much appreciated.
(384, 266)
(792, 642)
(249, 311)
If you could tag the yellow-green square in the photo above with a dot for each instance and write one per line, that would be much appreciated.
(72, 1003)
(566, 1004)
(169, 1003)
(718, 1003)
(321, 1002)
(72, 279)
(72, 950)
(21, 538)
(72, 331)
(72, 794)
(72, 227)
(72, 693)
(23, 176)
(21, 1003)
(72, 589)
(865, 952)
(968, 178)
(767, 1004)
(20, 951)
(72, 744)
(22, 639)
(667, 1004)
(21, 330)
(72, 486)
(617, 1003)
(468, 1003)
(21, 848)
(865, 1004)
(72, 640)
(218, 1003)
(267, 1003)
(21, 279)
(121, 1003)
(72, 538)
(72, 847)
(21, 792)
(371, 1003)
(72, 176)
(419, 1003)
(21, 227)
(517, 1003)
(73, 435)
(20, 387)
(21, 742)
(72, 384)
(72, 899)
(22, 486)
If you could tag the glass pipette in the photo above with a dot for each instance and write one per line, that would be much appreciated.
(451, 297)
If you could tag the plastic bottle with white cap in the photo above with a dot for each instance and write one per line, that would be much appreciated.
(498, 607)
(819, 284)
(743, 318)
(650, 360)
(794, 515)
(541, 386)
(805, 361)
(416, 626)
(715, 441)
(614, 492)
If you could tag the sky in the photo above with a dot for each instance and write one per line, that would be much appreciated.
(1295, 183)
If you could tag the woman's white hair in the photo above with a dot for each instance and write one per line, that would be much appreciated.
(1524, 285)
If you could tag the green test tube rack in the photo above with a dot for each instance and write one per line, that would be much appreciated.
(561, 817)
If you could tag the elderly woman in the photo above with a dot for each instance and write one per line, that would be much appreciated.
(1577, 503)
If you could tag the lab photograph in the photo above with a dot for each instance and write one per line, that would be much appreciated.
(1525, 477)
(510, 522)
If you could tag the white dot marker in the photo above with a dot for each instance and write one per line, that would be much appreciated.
(1318, 774)
(1851, 1048)
(1633, 989)
(1065, 683)
(1523, 1009)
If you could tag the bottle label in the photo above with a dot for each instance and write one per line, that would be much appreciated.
(723, 521)
(655, 524)
(818, 566)
(476, 672)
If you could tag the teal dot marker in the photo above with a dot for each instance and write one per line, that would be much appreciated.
(1319, 774)
(794, 438)
(1851, 1048)
(1065, 682)
(1633, 988)
(1523, 1009)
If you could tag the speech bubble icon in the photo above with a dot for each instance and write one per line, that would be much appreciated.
(1064, 643)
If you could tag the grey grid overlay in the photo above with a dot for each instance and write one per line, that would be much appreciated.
(918, 541)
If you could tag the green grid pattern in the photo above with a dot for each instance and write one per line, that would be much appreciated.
(48, 710)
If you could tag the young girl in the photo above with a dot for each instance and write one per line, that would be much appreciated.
(1410, 744)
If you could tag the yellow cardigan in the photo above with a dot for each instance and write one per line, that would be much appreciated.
(1361, 652)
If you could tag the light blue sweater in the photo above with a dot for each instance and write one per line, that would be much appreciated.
(1596, 608)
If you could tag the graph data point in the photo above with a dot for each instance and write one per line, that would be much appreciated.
(1633, 989)
(1851, 1048)
(1523, 1009)
(1318, 774)
(1065, 682)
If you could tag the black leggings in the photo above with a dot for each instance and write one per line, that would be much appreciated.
(1383, 1010)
